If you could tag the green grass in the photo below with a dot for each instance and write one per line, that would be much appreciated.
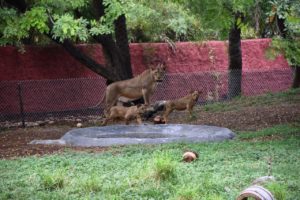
(290, 96)
(222, 171)
(283, 131)
(279, 191)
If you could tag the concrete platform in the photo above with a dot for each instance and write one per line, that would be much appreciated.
(140, 134)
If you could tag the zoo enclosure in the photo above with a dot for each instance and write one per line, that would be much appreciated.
(35, 100)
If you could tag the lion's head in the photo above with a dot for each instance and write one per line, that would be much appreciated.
(195, 95)
(158, 73)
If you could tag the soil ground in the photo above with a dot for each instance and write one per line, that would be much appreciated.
(14, 142)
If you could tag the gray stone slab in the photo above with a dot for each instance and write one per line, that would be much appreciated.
(140, 134)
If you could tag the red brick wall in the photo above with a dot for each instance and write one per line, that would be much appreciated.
(53, 62)
(195, 57)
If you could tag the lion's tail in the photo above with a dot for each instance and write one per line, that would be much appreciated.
(100, 102)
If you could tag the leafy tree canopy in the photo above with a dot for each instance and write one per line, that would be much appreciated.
(217, 16)
(159, 20)
(58, 18)
(287, 40)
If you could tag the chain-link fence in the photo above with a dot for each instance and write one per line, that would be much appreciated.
(48, 100)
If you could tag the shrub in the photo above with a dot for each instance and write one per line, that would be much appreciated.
(164, 167)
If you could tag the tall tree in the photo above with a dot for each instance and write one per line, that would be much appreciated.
(285, 15)
(224, 19)
(68, 22)
(235, 59)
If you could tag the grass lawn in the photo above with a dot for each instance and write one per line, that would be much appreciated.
(222, 171)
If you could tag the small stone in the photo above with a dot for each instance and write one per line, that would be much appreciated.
(41, 123)
(79, 125)
(51, 122)
(189, 156)
(158, 120)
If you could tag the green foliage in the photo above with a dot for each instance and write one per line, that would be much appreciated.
(61, 6)
(289, 48)
(99, 28)
(66, 27)
(247, 32)
(105, 25)
(147, 21)
(59, 16)
(281, 8)
(113, 9)
(289, 11)
(36, 19)
(9, 23)
(15, 27)
(159, 20)
(293, 25)
(217, 17)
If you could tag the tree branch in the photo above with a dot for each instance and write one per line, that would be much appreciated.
(19, 4)
(82, 57)
(86, 60)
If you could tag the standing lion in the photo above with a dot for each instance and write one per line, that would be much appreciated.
(142, 85)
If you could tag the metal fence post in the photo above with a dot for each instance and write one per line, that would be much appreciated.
(21, 105)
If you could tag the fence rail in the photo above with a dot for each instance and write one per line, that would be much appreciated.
(33, 100)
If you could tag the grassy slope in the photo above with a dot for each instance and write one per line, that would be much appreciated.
(288, 97)
(155, 171)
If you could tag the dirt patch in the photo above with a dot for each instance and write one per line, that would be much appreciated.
(14, 142)
(245, 119)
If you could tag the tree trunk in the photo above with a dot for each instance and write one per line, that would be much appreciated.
(284, 34)
(122, 43)
(281, 27)
(296, 80)
(117, 52)
(113, 57)
(235, 62)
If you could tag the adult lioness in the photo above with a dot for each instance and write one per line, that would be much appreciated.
(142, 85)
(186, 102)
(126, 113)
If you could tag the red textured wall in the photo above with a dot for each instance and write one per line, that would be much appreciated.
(195, 57)
(50, 62)
(53, 62)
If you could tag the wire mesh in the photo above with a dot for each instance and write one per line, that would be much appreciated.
(40, 100)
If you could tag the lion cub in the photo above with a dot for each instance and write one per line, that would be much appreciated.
(186, 102)
(125, 113)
